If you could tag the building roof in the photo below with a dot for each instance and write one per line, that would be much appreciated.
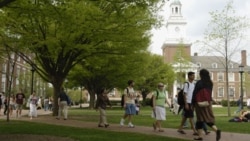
(176, 2)
(216, 63)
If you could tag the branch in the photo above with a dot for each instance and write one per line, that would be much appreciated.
(5, 3)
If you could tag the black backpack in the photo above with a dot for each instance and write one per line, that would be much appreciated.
(123, 97)
(151, 99)
(180, 96)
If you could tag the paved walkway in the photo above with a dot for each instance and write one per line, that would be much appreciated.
(226, 136)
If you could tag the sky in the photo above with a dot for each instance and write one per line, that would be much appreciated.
(196, 13)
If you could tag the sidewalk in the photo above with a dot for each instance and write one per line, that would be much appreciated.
(226, 136)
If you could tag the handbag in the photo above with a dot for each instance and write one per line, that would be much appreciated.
(203, 97)
(203, 104)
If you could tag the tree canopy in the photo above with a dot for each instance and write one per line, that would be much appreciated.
(56, 35)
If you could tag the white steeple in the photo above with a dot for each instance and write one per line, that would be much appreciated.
(176, 24)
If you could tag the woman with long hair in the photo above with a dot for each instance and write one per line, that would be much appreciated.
(204, 114)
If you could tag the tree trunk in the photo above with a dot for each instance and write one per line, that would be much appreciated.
(92, 99)
(57, 88)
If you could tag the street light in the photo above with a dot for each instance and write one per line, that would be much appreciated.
(66, 83)
(241, 71)
(32, 76)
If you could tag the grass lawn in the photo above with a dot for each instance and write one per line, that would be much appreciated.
(114, 115)
(77, 134)
(173, 121)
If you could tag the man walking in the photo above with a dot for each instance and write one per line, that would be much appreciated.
(20, 100)
(188, 108)
(129, 104)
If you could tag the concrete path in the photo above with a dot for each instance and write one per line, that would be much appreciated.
(226, 136)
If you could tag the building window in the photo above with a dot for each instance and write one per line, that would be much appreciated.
(212, 75)
(231, 92)
(176, 10)
(214, 65)
(220, 91)
(231, 77)
(231, 65)
(198, 64)
(220, 77)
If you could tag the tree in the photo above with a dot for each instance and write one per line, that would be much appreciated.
(114, 71)
(223, 37)
(181, 63)
(56, 35)
(154, 72)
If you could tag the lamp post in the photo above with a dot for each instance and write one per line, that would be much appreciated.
(241, 71)
(66, 83)
(32, 76)
(80, 101)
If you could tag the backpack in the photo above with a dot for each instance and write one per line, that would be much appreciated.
(152, 99)
(68, 100)
(180, 96)
(123, 97)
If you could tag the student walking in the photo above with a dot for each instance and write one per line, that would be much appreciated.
(12, 104)
(20, 100)
(239, 104)
(63, 102)
(188, 108)
(204, 114)
(101, 104)
(33, 105)
(159, 112)
(129, 104)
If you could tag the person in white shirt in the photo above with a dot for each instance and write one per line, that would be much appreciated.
(248, 102)
(188, 109)
(175, 105)
(129, 104)
(33, 102)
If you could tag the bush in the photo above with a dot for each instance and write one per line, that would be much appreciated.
(233, 103)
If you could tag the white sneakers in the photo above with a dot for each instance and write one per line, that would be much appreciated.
(122, 122)
(130, 125)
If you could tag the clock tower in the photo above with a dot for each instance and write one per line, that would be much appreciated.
(176, 34)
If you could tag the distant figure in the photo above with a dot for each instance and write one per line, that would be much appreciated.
(244, 115)
(137, 104)
(239, 104)
(46, 103)
(248, 102)
(1, 103)
(101, 104)
(12, 104)
(20, 100)
(175, 105)
(50, 104)
(33, 105)
(63, 104)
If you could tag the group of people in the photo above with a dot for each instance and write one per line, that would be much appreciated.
(15, 102)
(204, 115)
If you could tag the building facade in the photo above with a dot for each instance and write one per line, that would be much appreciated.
(177, 51)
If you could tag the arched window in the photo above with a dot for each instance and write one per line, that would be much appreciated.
(176, 10)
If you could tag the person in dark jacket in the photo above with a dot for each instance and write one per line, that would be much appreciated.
(101, 104)
(63, 104)
(204, 114)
